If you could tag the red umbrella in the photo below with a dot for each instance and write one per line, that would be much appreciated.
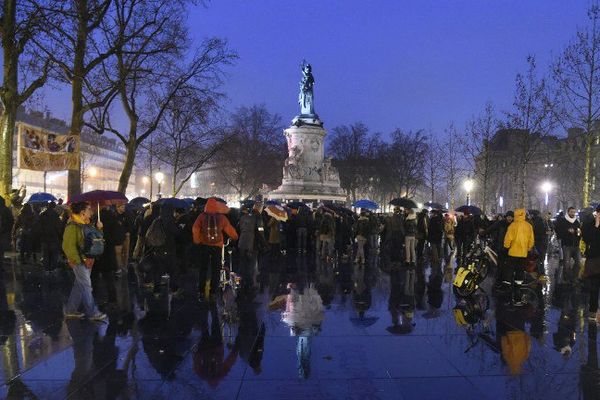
(100, 197)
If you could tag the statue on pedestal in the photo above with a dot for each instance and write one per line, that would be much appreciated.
(306, 97)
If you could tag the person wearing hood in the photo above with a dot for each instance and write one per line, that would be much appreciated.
(568, 230)
(519, 241)
(6, 226)
(208, 233)
(410, 238)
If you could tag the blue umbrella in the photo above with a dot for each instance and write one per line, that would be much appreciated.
(189, 201)
(368, 204)
(41, 197)
(174, 202)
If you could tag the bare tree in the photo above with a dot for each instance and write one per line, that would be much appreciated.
(405, 158)
(25, 71)
(533, 118)
(478, 152)
(433, 170)
(577, 76)
(254, 153)
(148, 73)
(450, 164)
(186, 140)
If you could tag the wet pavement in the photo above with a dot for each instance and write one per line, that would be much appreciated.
(306, 330)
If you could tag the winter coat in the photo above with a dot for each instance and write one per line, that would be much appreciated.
(498, 231)
(567, 238)
(327, 226)
(247, 227)
(6, 226)
(465, 229)
(363, 227)
(410, 225)
(301, 220)
(123, 226)
(223, 225)
(449, 228)
(539, 230)
(422, 225)
(51, 227)
(519, 236)
(591, 237)
(436, 229)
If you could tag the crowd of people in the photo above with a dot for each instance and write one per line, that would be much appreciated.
(162, 241)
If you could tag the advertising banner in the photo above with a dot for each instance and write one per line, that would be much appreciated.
(41, 150)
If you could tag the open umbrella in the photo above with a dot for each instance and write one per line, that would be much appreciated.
(41, 197)
(272, 202)
(368, 204)
(403, 202)
(296, 204)
(364, 321)
(277, 212)
(341, 209)
(100, 198)
(173, 202)
(139, 202)
(433, 205)
(469, 209)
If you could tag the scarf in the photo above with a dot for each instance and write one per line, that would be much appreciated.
(571, 220)
(78, 219)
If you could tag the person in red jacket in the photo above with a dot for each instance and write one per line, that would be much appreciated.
(208, 234)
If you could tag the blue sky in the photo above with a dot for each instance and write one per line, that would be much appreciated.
(389, 64)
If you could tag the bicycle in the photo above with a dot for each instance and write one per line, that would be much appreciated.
(479, 259)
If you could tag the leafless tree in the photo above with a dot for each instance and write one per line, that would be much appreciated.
(577, 76)
(433, 171)
(405, 158)
(186, 139)
(25, 71)
(533, 117)
(254, 154)
(450, 164)
(478, 155)
(149, 71)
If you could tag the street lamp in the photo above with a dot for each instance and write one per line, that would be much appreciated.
(159, 176)
(546, 188)
(468, 186)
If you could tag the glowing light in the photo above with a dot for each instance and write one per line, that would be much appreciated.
(93, 172)
(145, 180)
(159, 176)
(468, 185)
(546, 187)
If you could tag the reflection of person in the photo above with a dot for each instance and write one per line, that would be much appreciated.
(51, 144)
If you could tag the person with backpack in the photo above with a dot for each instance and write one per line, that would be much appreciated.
(208, 233)
(81, 243)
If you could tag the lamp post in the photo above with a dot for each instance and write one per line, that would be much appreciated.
(468, 186)
(159, 176)
(546, 188)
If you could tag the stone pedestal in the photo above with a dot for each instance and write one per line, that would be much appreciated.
(307, 175)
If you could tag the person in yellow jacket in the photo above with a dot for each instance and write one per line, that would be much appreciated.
(519, 241)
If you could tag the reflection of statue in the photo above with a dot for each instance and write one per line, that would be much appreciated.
(306, 97)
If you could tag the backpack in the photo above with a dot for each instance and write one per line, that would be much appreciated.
(93, 241)
(212, 233)
(155, 236)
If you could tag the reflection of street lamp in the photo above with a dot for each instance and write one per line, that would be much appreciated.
(468, 186)
(159, 176)
(546, 188)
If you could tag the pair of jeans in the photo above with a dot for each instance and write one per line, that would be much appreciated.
(81, 293)
(301, 234)
(410, 243)
(50, 252)
(210, 260)
(571, 268)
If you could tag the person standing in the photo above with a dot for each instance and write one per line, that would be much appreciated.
(540, 232)
(591, 237)
(363, 232)
(81, 265)
(410, 238)
(394, 235)
(301, 222)
(519, 240)
(208, 233)
(51, 230)
(568, 230)
(449, 228)
(422, 232)
(327, 236)
(6, 227)
(122, 231)
(23, 230)
(435, 235)
(465, 235)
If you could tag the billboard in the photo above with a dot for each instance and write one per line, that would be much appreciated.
(41, 150)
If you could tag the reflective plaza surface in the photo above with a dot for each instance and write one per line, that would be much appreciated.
(305, 330)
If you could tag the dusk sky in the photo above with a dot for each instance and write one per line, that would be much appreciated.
(389, 64)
